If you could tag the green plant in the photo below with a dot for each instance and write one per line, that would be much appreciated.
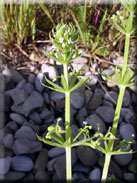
(124, 78)
(17, 22)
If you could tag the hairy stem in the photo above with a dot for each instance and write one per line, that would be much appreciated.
(119, 101)
(105, 168)
(67, 128)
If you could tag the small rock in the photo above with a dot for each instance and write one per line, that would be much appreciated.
(25, 146)
(12, 125)
(8, 141)
(107, 103)
(28, 177)
(126, 99)
(95, 102)
(60, 164)
(109, 83)
(28, 88)
(92, 79)
(86, 155)
(38, 86)
(32, 125)
(13, 176)
(78, 167)
(50, 70)
(56, 96)
(42, 176)
(30, 104)
(50, 164)
(123, 159)
(129, 177)
(17, 95)
(82, 113)
(132, 167)
(55, 152)
(5, 165)
(111, 95)
(77, 99)
(127, 132)
(25, 132)
(106, 113)
(127, 114)
(17, 109)
(46, 98)
(72, 114)
(81, 60)
(19, 119)
(118, 61)
(22, 163)
(41, 160)
(108, 72)
(20, 85)
(95, 175)
(47, 115)
(113, 168)
(31, 79)
(13, 75)
(35, 117)
(78, 176)
(88, 95)
(95, 121)
(99, 92)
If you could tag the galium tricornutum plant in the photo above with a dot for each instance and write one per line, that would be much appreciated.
(64, 50)
(124, 78)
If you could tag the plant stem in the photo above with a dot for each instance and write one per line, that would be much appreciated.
(106, 166)
(119, 104)
(67, 127)
(68, 164)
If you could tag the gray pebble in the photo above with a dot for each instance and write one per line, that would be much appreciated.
(31, 79)
(30, 104)
(13, 75)
(25, 146)
(95, 121)
(25, 132)
(127, 131)
(87, 156)
(77, 99)
(35, 117)
(56, 96)
(8, 141)
(123, 159)
(5, 165)
(55, 152)
(19, 119)
(95, 175)
(106, 113)
(22, 163)
(129, 177)
(38, 86)
(50, 69)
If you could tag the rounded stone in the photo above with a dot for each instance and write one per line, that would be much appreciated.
(22, 163)
(77, 99)
(127, 131)
(95, 175)
(50, 70)
(17, 118)
(87, 156)
(106, 113)
(5, 165)
(8, 141)
(123, 159)
(95, 121)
